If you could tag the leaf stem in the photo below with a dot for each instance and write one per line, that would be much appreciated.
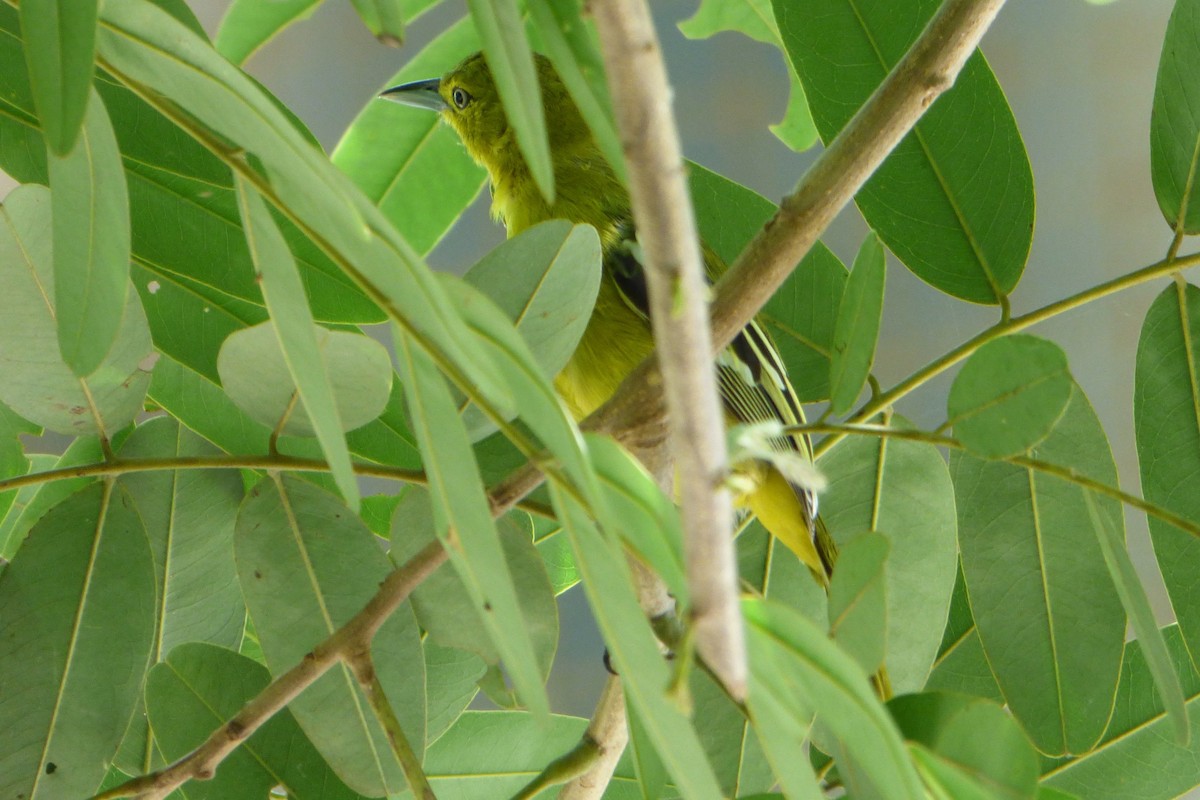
(363, 668)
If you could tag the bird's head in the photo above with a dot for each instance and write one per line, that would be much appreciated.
(467, 99)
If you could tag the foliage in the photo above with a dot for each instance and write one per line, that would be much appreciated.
(190, 292)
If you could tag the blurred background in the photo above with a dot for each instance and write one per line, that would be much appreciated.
(1080, 79)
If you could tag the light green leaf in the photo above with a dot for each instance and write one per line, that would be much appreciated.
(384, 18)
(794, 665)
(545, 281)
(728, 738)
(651, 774)
(954, 201)
(800, 317)
(460, 503)
(1138, 755)
(975, 736)
(903, 490)
(34, 380)
(1167, 428)
(1009, 395)
(756, 19)
(1141, 617)
(1174, 124)
(60, 46)
(255, 374)
(199, 687)
(570, 43)
(405, 160)
(782, 734)
(634, 650)
(250, 24)
(362, 370)
(90, 212)
(39, 499)
(1048, 616)
(189, 517)
(307, 566)
(858, 599)
(961, 665)
(506, 49)
(857, 329)
(79, 605)
(451, 683)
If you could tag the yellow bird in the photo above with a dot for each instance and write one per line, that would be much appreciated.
(752, 378)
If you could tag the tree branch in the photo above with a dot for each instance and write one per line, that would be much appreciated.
(666, 227)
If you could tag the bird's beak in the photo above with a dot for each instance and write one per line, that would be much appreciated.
(418, 94)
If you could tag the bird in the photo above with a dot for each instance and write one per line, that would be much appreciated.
(752, 378)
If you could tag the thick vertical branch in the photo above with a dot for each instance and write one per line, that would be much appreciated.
(666, 228)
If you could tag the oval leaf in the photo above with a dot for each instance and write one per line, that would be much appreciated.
(78, 600)
(307, 566)
(255, 374)
(858, 599)
(1009, 395)
(934, 201)
(60, 46)
(1050, 621)
(857, 328)
(1174, 126)
(34, 380)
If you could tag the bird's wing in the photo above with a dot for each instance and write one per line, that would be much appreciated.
(750, 373)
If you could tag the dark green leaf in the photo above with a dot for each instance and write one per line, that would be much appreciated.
(857, 329)
(41, 498)
(961, 665)
(199, 687)
(1009, 395)
(1048, 616)
(954, 201)
(1167, 427)
(903, 490)
(79, 605)
(60, 45)
(307, 566)
(728, 738)
(1174, 125)
(1138, 755)
(90, 206)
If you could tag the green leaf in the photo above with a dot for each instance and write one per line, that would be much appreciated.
(634, 650)
(60, 46)
(43, 497)
(974, 735)
(506, 49)
(961, 665)
(858, 599)
(199, 687)
(384, 18)
(651, 774)
(1166, 397)
(545, 280)
(255, 374)
(460, 503)
(361, 367)
(571, 45)
(1138, 755)
(954, 201)
(857, 329)
(1141, 617)
(1174, 126)
(307, 566)
(1050, 621)
(90, 206)
(794, 665)
(1009, 395)
(78, 600)
(756, 19)
(443, 603)
(782, 733)
(34, 380)
(800, 317)
(903, 490)
(250, 24)
(728, 738)
(451, 683)
(189, 517)
(405, 160)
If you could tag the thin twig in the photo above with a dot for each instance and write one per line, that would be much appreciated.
(363, 668)
(678, 292)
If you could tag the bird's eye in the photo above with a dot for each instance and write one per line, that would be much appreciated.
(460, 97)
